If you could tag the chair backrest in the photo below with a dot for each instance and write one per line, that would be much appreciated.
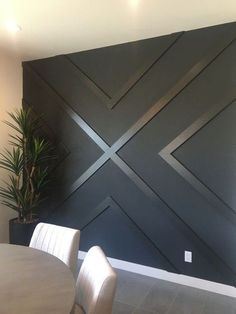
(59, 241)
(96, 283)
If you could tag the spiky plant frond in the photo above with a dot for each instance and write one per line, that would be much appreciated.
(26, 161)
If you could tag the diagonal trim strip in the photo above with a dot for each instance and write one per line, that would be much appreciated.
(146, 118)
(167, 154)
(110, 152)
(111, 102)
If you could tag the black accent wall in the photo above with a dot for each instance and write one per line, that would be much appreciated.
(146, 139)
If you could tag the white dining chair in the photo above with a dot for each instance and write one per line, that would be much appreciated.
(59, 241)
(96, 284)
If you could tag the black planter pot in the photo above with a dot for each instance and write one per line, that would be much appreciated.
(20, 233)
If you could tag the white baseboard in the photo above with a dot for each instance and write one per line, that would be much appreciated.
(172, 277)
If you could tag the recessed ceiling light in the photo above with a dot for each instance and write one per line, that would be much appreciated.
(134, 3)
(12, 26)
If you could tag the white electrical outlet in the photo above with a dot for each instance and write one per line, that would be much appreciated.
(188, 256)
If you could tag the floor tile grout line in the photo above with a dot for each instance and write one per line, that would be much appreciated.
(180, 300)
(177, 293)
(138, 306)
(145, 295)
(139, 309)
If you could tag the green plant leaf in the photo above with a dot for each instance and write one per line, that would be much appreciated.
(27, 163)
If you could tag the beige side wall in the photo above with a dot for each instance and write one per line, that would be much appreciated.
(10, 98)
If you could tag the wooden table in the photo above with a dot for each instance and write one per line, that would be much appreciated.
(34, 282)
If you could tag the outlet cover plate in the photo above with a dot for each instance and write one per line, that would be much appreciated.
(188, 256)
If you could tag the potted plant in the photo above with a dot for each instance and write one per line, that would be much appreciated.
(26, 162)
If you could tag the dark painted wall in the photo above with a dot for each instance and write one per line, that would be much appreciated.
(146, 137)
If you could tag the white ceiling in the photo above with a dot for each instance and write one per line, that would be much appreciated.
(51, 27)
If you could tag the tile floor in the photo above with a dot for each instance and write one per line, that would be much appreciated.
(137, 294)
